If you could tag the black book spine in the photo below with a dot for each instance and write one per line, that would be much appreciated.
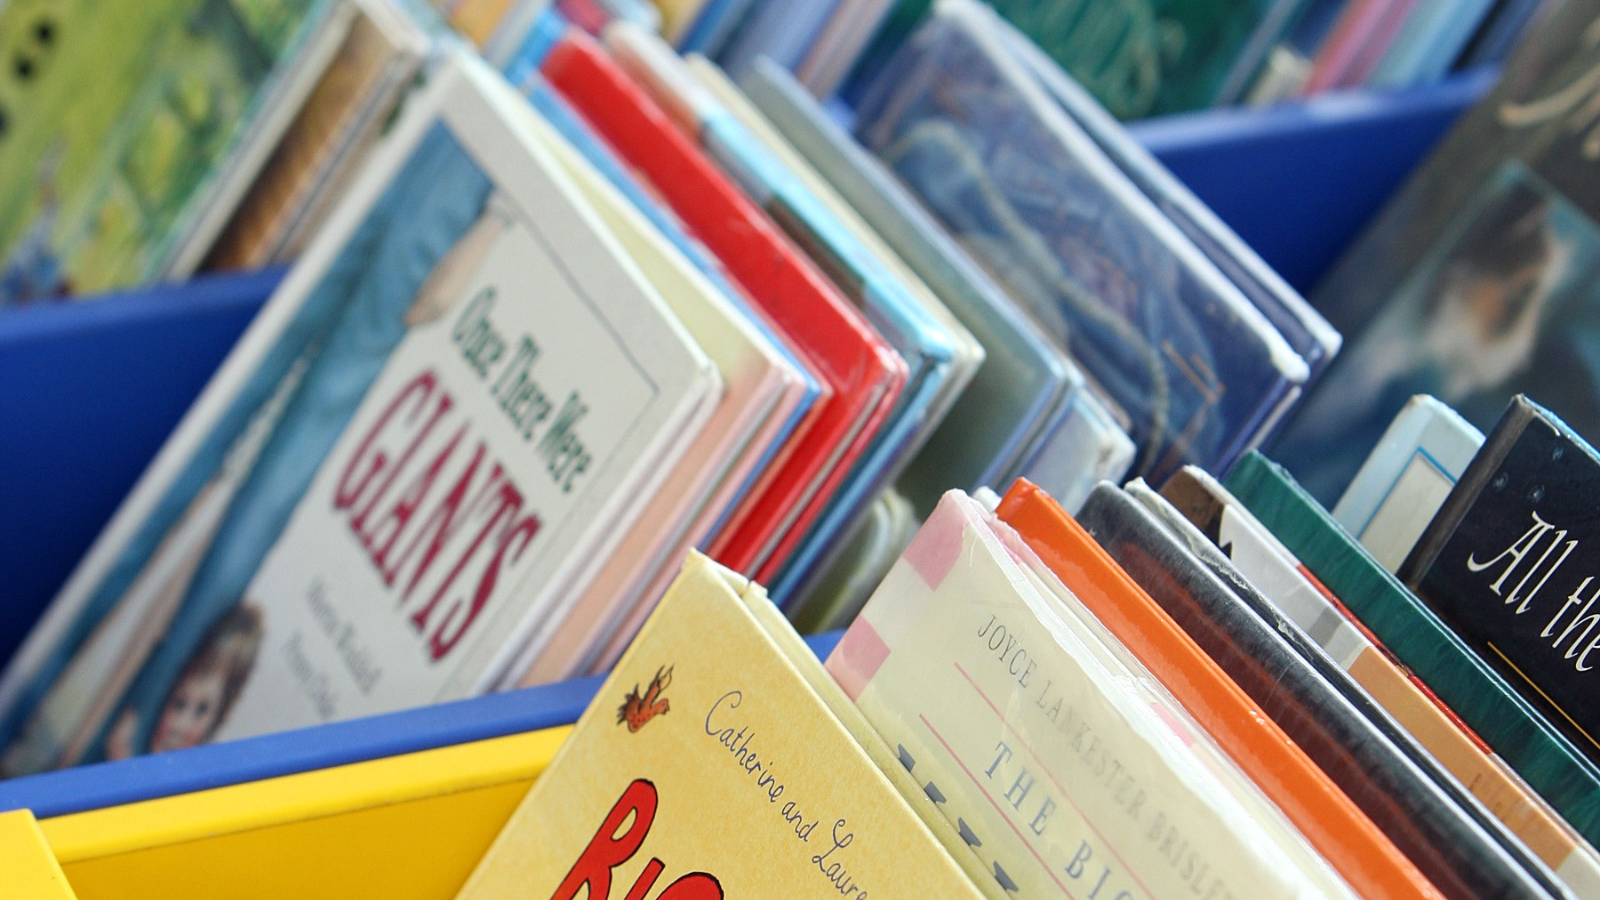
(1511, 563)
(1455, 852)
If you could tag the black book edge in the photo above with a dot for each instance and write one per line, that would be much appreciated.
(1519, 413)
(1460, 856)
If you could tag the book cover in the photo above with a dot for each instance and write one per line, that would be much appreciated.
(1344, 835)
(939, 354)
(338, 123)
(1463, 850)
(1202, 374)
(1541, 754)
(128, 126)
(1302, 326)
(998, 698)
(447, 404)
(716, 774)
(1020, 391)
(1503, 564)
(1297, 596)
(1406, 478)
(1478, 280)
(863, 373)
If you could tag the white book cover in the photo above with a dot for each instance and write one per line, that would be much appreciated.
(1055, 771)
(1405, 479)
(432, 425)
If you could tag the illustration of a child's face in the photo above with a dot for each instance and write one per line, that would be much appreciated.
(192, 711)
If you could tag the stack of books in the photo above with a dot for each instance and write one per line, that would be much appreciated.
(595, 357)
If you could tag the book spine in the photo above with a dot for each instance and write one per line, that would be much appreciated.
(1542, 756)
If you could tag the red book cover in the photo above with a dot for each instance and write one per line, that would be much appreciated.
(863, 372)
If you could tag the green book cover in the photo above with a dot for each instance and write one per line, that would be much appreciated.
(1421, 642)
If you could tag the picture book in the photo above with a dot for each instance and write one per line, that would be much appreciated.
(863, 373)
(938, 360)
(1406, 477)
(129, 129)
(715, 774)
(1477, 280)
(1356, 848)
(1090, 444)
(1007, 697)
(449, 402)
(1201, 373)
(1495, 712)
(1298, 597)
(1446, 832)
(337, 125)
(1020, 391)
(1504, 566)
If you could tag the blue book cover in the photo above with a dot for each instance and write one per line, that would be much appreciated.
(1480, 279)
(1200, 371)
(1025, 383)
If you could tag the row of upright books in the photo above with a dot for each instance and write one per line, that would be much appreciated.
(567, 309)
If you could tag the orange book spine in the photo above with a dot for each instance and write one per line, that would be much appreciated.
(1333, 824)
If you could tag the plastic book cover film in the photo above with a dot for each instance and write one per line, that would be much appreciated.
(1200, 371)
(1302, 326)
(1539, 753)
(1024, 379)
(120, 119)
(1457, 844)
(153, 643)
(1366, 859)
(799, 809)
(1479, 279)
(920, 664)
(1406, 478)
(1505, 564)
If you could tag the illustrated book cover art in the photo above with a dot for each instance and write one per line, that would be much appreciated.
(447, 404)
(1366, 859)
(130, 126)
(863, 373)
(998, 697)
(1478, 280)
(1425, 645)
(1444, 830)
(1020, 391)
(335, 128)
(1504, 565)
(1200, 371)
(1296, 595)
(1406, 478)
(713, 774)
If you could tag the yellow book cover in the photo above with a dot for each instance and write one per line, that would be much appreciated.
(718, 772)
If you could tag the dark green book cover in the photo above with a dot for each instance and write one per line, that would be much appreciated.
(1497, 713)
(1510, 564)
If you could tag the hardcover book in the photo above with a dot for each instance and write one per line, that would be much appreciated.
(132, 128)
(1507, 723)
(1303, 601)
(715, 774)
(1479, 279)
(1463, 850)
(1504, 565)
(1012, 696)
(1200, 371)
(449, 404)
(1356, 848)
(1406, 478)
(1022, 389)
(863, 373)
